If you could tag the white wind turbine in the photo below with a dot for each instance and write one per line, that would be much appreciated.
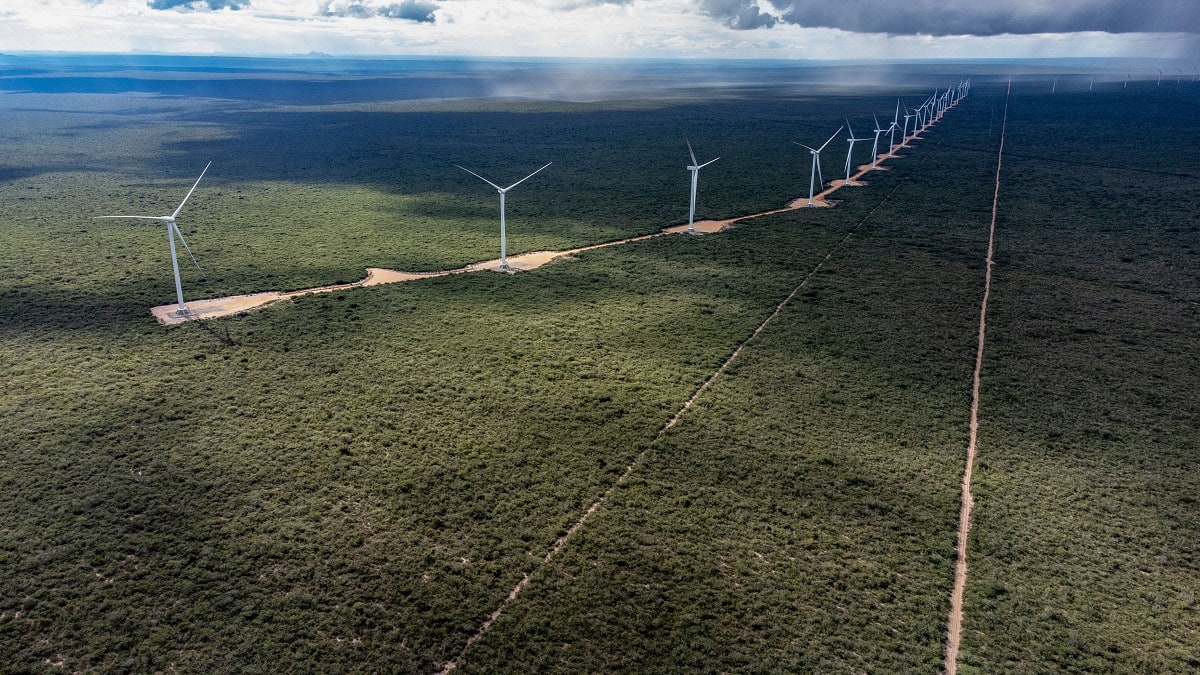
(1091, 82)
(892, 131)
(850, 152)
(816, 164)
(172, 232)
(695, 169)
(904, 133)
(503, 191)
(924, 112)
(875, 146)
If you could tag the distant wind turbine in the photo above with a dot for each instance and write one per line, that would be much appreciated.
(904, 133)
(850, 152)
(816, 164)
(503, 191)
(1091, 83)
(892, 131)
(875, 146)
(1127, 74)
(695, 169)
(172, 232)
(1054, 84)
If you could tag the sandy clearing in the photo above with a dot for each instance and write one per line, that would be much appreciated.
(954, 624)
(212, 308)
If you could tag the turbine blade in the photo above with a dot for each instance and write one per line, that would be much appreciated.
(189, 194)
(526, 178)
(876, 121)
(706, 163)
(481, 178)
(830, 139)
(692, 154)
(162, 218)
(849, 128)
(804, 146)
(175, 228)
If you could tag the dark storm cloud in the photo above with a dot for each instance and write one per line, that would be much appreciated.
(966, 17)
(191, 4)
(420, 11)
(738, 14)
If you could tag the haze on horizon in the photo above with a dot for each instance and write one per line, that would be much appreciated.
(729, 29)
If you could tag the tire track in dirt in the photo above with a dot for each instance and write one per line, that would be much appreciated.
(954, 625)
(639, 459)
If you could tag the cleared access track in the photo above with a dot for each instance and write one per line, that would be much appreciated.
(213, 308)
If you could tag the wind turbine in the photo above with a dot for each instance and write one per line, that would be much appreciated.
(695, 169)
(1054, 84)
(816, 164)
(1091, 82)
(904, 133)
(1159, 82)
(875, 146)
(172, 232)
(892, 131)
(1127, 73)
(850, 152)
(503, 191)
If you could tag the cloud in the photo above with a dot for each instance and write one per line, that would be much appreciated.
(419, 11)
(190, 4)
(739, 14)
(964, 17)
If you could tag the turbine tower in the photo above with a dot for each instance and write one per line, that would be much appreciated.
(816, 164)
(694, 167)
(503, 237)
(892, 131)
(904, 133)
(172, 232)
(850, 152)
(875, 146)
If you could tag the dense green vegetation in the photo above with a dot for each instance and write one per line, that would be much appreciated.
(801, 518)
(355, 481)
(1085, 554)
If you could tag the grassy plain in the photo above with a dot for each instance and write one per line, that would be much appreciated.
(355, 481)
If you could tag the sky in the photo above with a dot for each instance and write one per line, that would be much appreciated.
(760, 29)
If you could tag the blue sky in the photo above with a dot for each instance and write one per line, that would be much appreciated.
(784, 29)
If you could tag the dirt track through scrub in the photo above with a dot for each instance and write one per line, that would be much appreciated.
(638, 460)
(954, 626)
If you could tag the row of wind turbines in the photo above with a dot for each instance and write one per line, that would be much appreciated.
(1129, 74)
(927, 113)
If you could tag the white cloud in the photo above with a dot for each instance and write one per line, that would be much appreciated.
(590, 28)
